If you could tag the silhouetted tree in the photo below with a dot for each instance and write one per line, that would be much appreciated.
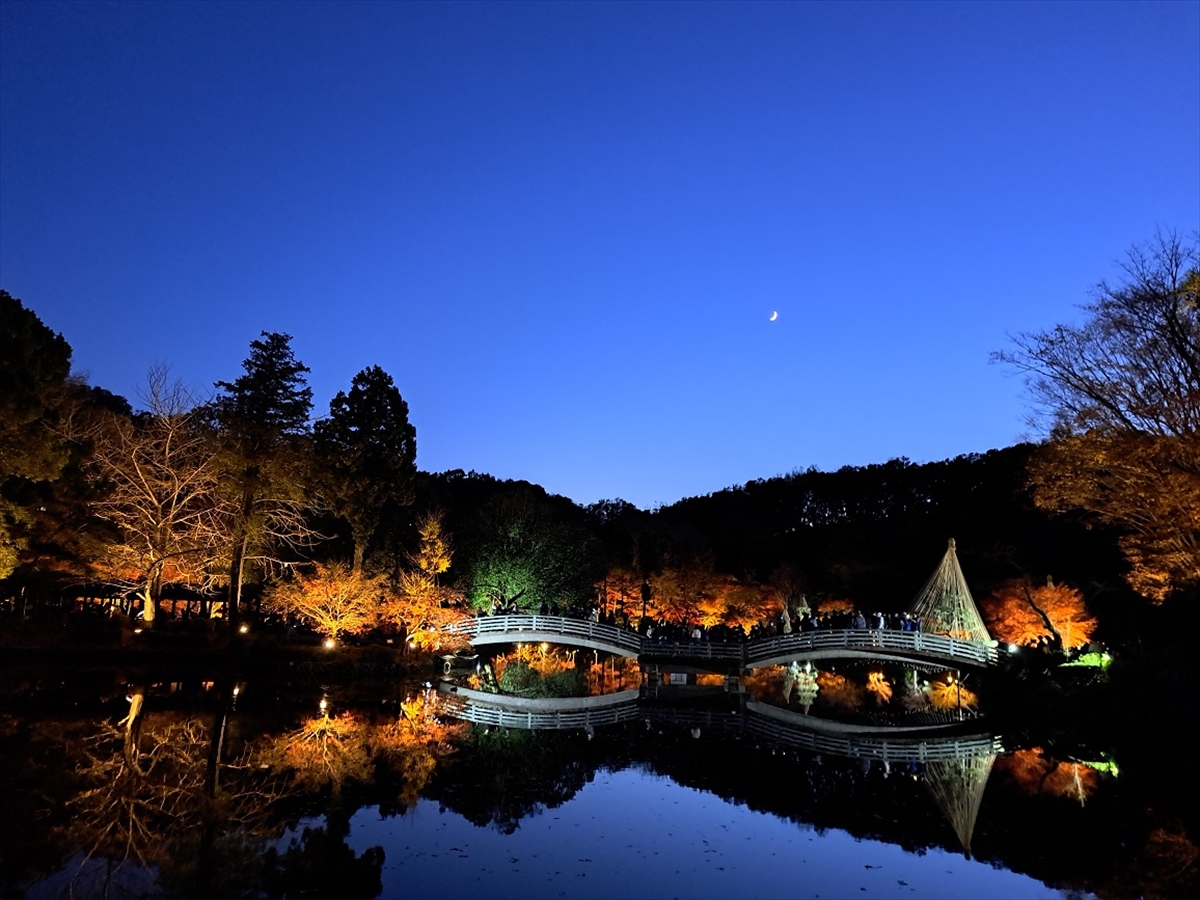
(263, 419)
(368, 450)
(34, 364)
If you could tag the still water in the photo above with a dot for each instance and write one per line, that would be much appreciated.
(217, 787)
(634, 833)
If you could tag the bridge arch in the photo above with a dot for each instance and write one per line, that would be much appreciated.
(884, 645)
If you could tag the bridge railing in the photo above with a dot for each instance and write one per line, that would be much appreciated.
(798, 643)
(692, 650)
(867, 639)
(514, 625)
(895, 749)
(483, 714)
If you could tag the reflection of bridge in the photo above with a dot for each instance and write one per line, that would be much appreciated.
(770, 723)
(912, 647)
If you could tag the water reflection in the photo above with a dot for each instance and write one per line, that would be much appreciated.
(198, 789)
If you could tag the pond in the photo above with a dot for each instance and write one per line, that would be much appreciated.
(200, 784)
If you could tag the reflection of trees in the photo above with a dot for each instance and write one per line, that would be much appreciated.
(502, 776)
(948, 692)
(328, 752)
(1038, 773)
(880, 687)
(325, 751)
(163, 790)
(1135, 837)
(148, 795)
(319, 864)
(840, 691)
(412, 745)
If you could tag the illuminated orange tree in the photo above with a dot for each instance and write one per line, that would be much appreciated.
(1021, 613)
(621, 594)
(332, 598)
(949, 692)
(693, 592)
(419, 604)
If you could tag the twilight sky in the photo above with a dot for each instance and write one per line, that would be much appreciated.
(562, 228)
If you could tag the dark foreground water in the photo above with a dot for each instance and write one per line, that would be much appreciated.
(634, 833)
(224, 789)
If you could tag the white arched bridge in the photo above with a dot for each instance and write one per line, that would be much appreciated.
(944, 607)
(915, 648)
(784, 727)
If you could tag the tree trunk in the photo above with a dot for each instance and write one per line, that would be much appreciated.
(238, 563)
(1057, 643)
(233, 599)
(150, 596)
(133, 728)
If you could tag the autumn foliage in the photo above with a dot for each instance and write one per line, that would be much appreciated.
(1020, 613)
(839, 690)
(332, 598)
(879, 687)
(950, 693)
(332, 750)
(1035, 772)
(1146, 485)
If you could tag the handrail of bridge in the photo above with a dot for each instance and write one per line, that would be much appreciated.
(693, 649)
(927, 748)
(747, 653)
(579, 628)
(930, 750)
(871, 639)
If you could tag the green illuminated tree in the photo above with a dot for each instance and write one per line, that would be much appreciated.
(368, 450)
(525, 552)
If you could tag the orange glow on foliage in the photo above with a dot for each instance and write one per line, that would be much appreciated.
(333, 599)
(880, 688)
(839, 690)
(765, 684)
(950, 694)
(425, 609)
(1036, 773)
(546, 661)
(696, 594)
(1011, 613)
(836, 604)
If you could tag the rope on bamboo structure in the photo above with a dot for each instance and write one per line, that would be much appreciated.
(945, 605)
(957, 785)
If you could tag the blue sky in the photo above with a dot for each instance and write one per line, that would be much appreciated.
(562, 228)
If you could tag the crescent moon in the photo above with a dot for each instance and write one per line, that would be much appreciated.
(774, 316)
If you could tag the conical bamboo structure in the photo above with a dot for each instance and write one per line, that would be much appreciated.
(945, 605)
(957, 785)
